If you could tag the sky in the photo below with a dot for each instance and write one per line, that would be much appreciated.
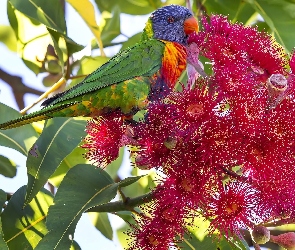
(10, 62)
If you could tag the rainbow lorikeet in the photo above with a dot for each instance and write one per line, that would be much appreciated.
(130, 79)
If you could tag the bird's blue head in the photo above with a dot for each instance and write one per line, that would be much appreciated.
(171, 23)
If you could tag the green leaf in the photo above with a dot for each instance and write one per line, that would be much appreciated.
(110, 25)
(3, 245)
(83, 187)
(86, 10)
(129, 180)
(75, 246)
(235, 10)
(46, 25)
(58, 139)
(23, 228)
(270, 10)
(126, 216)
(74, 158)
(3, 198)
(199, 238)
(87, 65)
(121, 233)
(141, 184)
(114, 166)
(50, 14)
(32, 39)
(7, 167)
(7, 37)
(102, 223)
(20, 139)
(139, 7)
(131, 41)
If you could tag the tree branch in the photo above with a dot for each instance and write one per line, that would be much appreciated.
(19, 89)
(127, 205)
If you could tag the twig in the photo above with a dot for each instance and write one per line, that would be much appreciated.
(126, 205)
(44, 95)
(19, 89)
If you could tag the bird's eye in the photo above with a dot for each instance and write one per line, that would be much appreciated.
(170, 19)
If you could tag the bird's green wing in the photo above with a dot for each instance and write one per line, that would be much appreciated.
(142, 59)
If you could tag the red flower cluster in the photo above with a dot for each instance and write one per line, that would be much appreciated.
(105, 137)
(226, 146)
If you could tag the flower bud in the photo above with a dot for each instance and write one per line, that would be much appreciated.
(277, 83)
(260, 235)
(277, 86)
(170, 142)
(286, 240)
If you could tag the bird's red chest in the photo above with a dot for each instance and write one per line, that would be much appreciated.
(173, 62)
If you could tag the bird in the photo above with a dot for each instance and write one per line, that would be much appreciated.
(130, 80)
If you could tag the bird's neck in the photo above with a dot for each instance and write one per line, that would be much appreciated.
(148, 32)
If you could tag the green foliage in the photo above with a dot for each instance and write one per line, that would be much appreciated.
(29, 222)
(82, 188)
(7, 167)
(20, 139)
(33, 218)
(198, 237)
(7, 37)
(60, 136)
(102, 223)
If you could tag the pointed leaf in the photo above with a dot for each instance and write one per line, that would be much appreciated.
(86, 10)
(113, 168)
(87, 65)
(20, 139)
(270, 11)
(7, 167)
(58, 139)
(129, 180)
(23, 228)
(126, 216)
(121, 234)
(199, 238)
(31, 46)
(110, 25)
(83, 187)
(235, 10)
(3, 245)
(43, 20)
(75, 246)
(139, 7)
(131, 41)
(50, 15)
(7, 37)
(3, 198)
(74, 158)
(102, 223)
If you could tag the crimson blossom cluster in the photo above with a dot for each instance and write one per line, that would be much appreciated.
(225, 143)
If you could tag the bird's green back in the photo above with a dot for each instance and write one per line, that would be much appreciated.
(142, 59)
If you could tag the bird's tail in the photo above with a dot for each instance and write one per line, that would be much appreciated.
(43, 114)
(23, 120)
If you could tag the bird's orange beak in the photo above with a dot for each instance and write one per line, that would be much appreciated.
(191, 25)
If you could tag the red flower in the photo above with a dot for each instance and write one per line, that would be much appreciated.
(156, 137)
(167, 213)
(276, 186)
(231, 207)
(241, 117)
(292, 62)
(241, 57)
(104, 139)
